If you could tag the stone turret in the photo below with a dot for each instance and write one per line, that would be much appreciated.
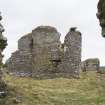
(3, 44)
(101, 15)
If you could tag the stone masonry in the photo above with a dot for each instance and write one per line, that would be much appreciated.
(20, 62)
(40, 54)
(72, 53)
(92, 64)
(46, 43)
(36, 52)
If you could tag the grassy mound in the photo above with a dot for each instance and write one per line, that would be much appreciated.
(88, 90)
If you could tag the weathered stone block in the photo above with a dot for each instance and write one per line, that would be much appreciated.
(92, 64)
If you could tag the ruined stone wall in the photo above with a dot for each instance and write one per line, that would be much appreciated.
(20, 63)
(36, 52)
(72, 53)
(92, 64)
(46, 42)
(41, 54)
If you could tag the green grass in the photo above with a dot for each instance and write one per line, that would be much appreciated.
(88, 90)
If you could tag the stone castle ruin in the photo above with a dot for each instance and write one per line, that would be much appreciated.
(40, 54)
(3, 44)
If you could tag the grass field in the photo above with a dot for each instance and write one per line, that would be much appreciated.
(88, 90)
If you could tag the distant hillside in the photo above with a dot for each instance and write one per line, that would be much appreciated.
(88, 90)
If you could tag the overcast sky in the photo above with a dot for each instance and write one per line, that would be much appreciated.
(21, 16)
